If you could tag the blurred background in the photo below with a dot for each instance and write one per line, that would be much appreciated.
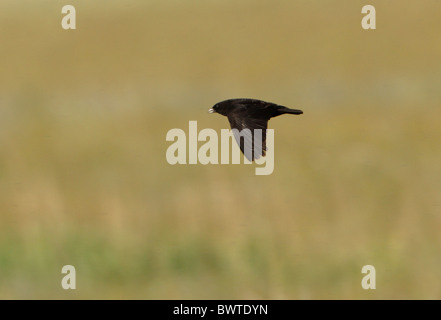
(84, 179)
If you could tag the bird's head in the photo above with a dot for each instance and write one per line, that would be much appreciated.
(213, 109)
(218, 108)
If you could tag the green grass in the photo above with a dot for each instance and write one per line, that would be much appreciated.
(84, 179)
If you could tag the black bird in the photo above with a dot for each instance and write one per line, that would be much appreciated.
(250, 114)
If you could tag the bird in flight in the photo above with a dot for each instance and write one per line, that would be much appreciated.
(249, 120)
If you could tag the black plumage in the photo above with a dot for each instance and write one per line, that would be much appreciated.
(250, 114)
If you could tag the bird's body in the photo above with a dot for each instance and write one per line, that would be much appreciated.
(250, 114)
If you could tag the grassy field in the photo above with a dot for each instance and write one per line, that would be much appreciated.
(84, 179)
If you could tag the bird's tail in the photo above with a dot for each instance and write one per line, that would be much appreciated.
(283, 110)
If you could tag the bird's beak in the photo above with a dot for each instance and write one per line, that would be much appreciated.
(211, 110)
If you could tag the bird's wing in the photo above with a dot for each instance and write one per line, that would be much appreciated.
(253, 133)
